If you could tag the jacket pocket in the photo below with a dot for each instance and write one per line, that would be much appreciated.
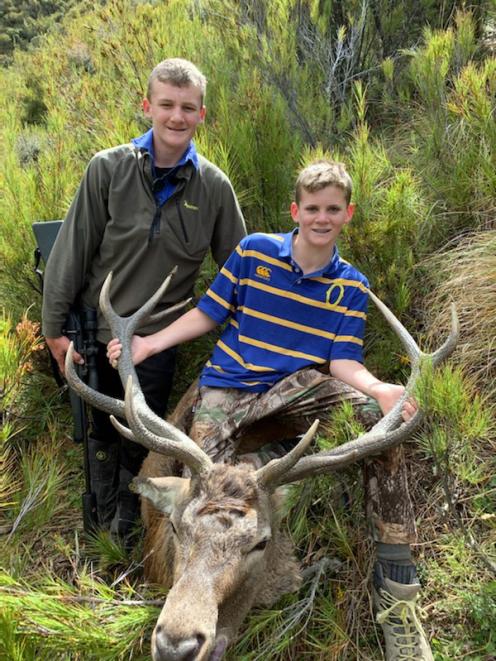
(185, 221)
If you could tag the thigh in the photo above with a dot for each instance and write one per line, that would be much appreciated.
(109, 383)
(155, 376)
(292, 404)
(219, 413)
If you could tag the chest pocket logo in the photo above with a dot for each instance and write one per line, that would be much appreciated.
(263, 272)
(334, 295)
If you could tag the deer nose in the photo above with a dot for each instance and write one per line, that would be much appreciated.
(166, 649)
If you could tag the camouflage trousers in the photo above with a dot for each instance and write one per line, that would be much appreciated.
(229, 423)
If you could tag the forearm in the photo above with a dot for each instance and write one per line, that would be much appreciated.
(355, 374)
(189, 326)
(386, 394)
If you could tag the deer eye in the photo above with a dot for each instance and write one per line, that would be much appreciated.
(260, 546)
(173, 527)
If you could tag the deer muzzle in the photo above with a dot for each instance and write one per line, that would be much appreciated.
(165, 648)
(187, 626)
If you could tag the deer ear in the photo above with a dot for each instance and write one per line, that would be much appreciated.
(281, 502)
(162, 492)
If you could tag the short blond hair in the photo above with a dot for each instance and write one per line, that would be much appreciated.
(323, 173)
(178, 72)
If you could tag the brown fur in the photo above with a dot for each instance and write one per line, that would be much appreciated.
(221, 514)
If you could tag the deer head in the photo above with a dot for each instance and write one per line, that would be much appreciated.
(221, 525)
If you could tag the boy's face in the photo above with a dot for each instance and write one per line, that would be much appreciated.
(175, 113)
(321, 216)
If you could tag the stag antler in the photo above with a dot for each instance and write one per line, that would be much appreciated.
(387, 433)
(156, 434)
(147, 428)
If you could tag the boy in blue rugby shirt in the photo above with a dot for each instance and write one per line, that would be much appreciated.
(292, 347)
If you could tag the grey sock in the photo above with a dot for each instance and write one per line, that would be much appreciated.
(394, 561)
(394, 552)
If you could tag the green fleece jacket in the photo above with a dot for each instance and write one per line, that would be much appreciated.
(114, 224)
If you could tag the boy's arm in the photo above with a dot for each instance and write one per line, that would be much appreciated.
(358, 376)
(71, 256)
(213, 308)
(190, 325)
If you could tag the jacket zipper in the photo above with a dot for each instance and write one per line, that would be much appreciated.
(181, 220)
(155, 226)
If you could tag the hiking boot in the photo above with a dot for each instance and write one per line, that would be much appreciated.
(397, 613)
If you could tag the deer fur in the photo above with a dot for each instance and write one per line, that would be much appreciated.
(212, 559)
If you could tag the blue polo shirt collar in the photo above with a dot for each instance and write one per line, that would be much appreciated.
(166, 186)
(286, 253)
(145, 142)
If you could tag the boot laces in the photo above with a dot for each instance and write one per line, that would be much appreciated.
(406, 628)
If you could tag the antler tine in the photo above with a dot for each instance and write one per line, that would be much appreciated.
(364, 446)
(384, 434)
(160, 316)
(411, 347)
(173, 442)
(115, 407)
(269, 474)
(123, 430)
(124, 328)
(450, 343)
(93, 397)
(392, 419)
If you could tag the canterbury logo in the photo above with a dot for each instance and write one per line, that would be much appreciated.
(333, 298)
(190, 206)
(263, 272)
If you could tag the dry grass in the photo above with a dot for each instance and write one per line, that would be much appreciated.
(466, 275)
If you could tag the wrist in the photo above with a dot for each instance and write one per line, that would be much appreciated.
(375, 389)
(150, 346)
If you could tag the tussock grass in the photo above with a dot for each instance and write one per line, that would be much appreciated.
(466, 275)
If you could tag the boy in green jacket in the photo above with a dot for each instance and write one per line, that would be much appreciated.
(141, 208)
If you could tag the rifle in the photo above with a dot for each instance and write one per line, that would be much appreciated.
(80, 327)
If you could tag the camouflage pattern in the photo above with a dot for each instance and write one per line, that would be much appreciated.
(232, 424)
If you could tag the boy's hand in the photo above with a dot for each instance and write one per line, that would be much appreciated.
(58, 347)
(387, 394)
(139, 350)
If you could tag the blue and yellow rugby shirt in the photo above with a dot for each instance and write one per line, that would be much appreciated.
(279, 319)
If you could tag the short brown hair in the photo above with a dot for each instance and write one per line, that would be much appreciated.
(323, 173)
(178, 72)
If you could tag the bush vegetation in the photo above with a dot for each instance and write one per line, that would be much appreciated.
(23, 21)
(404, 94)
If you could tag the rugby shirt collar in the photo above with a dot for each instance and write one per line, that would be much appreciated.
(286, 253)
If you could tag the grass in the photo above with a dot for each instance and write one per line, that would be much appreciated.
(423, 179)
(61, 591)
(465, 273)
